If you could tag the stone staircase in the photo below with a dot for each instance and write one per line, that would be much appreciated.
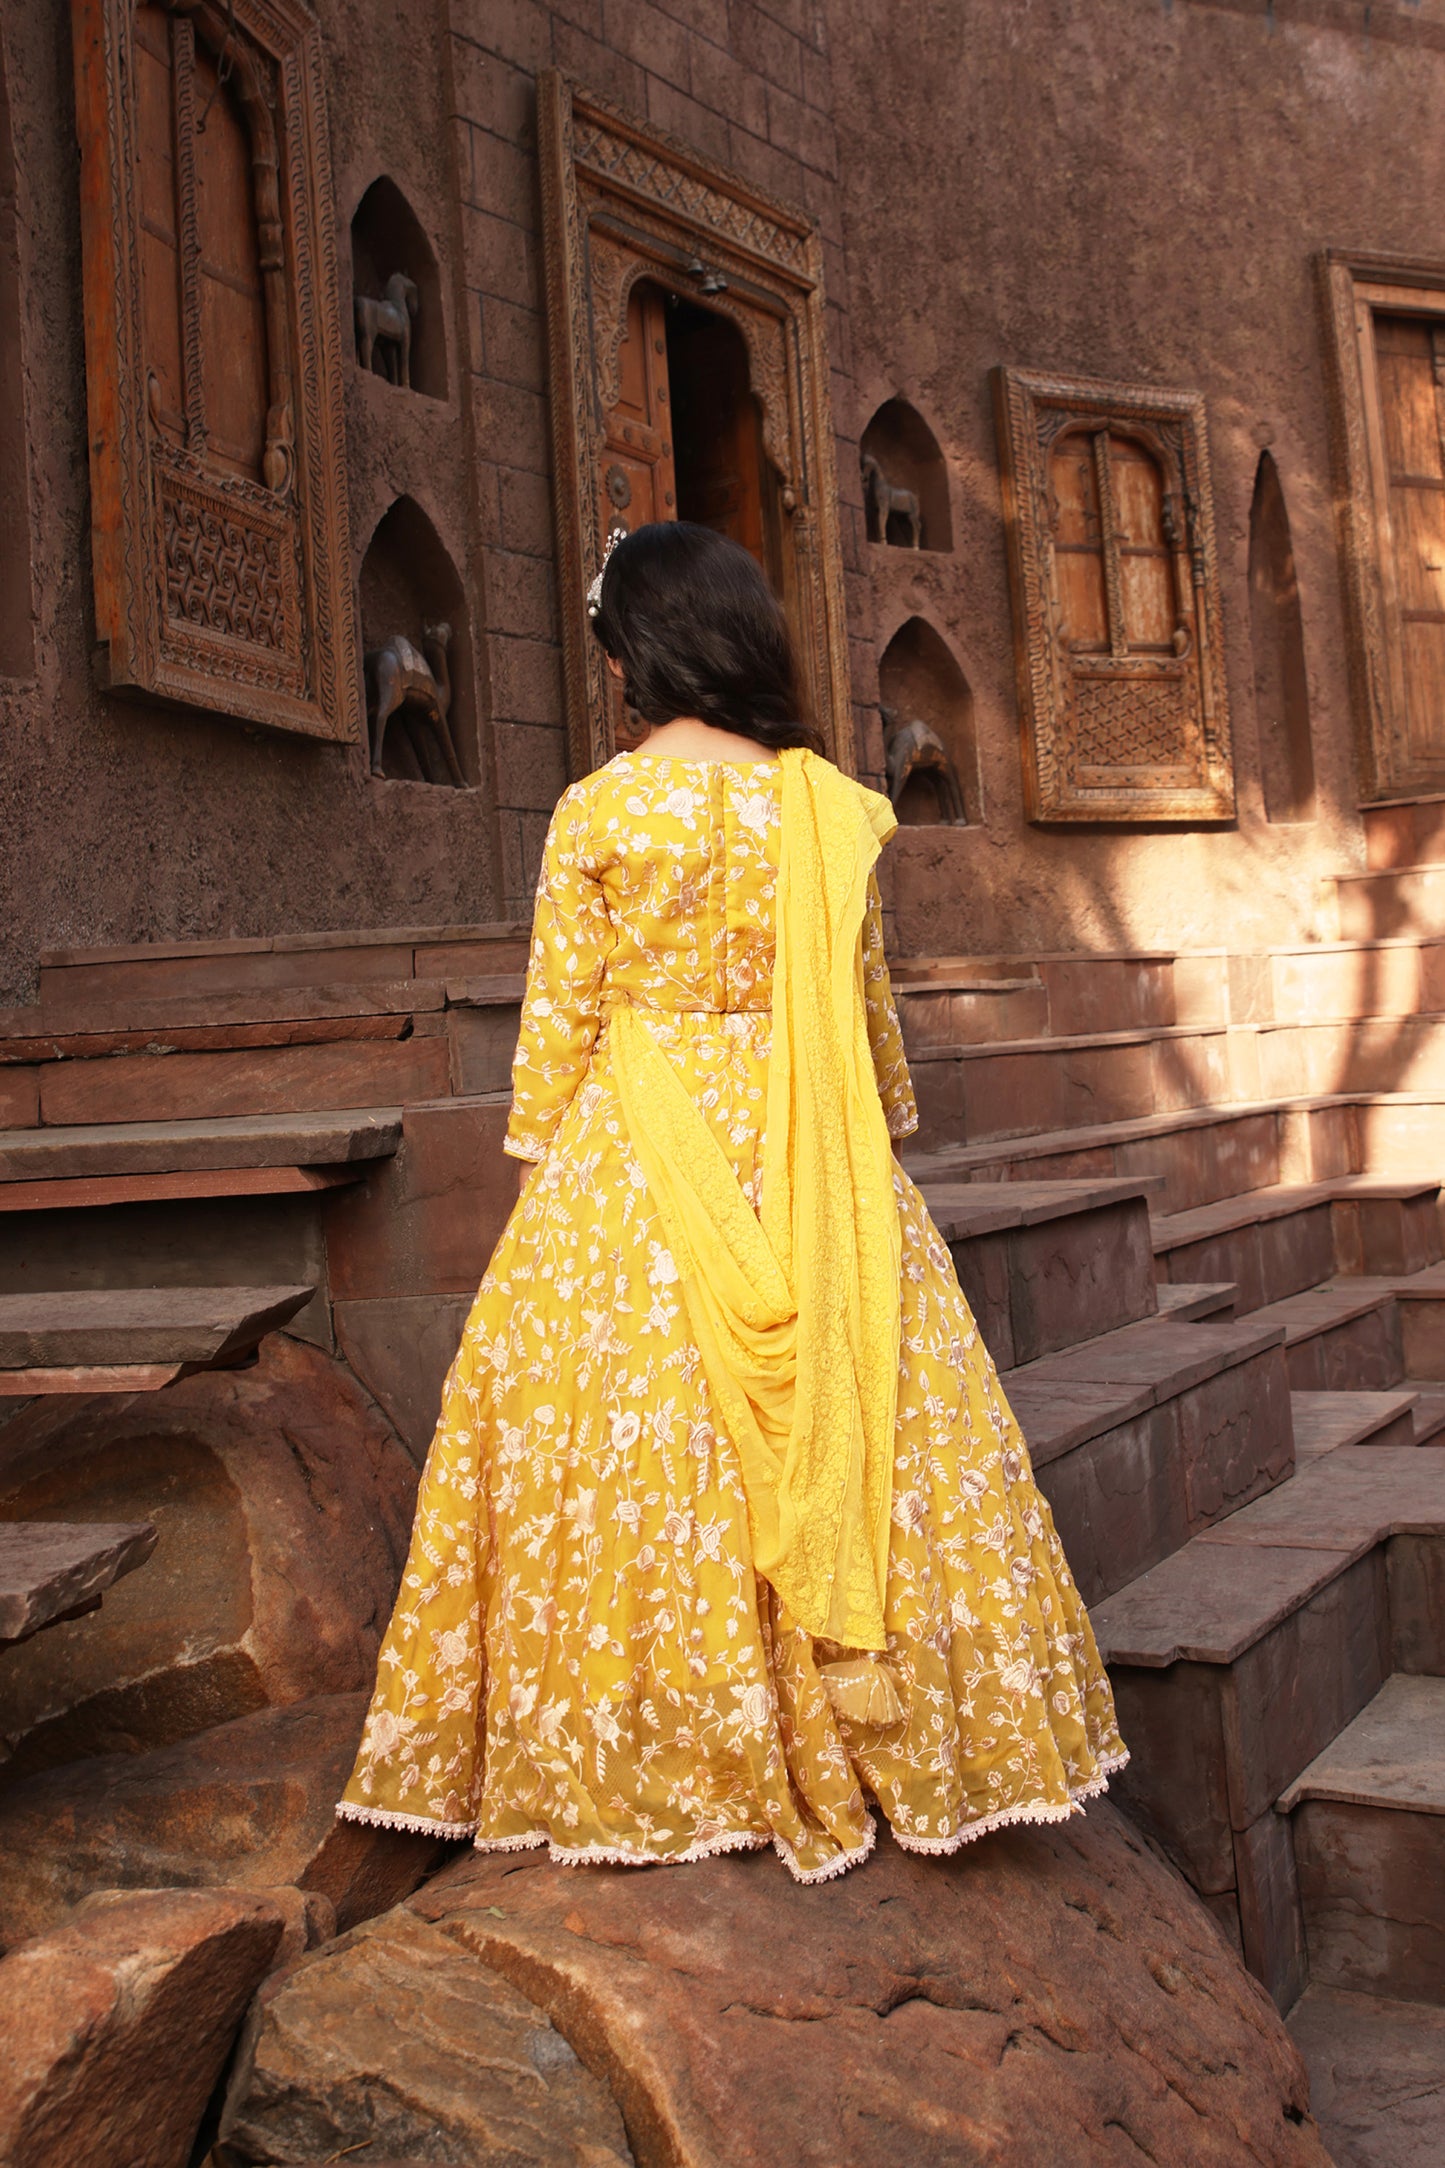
(1194, 1202)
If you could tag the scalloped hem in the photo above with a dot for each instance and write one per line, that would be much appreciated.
(607, 1855)
(1031, 1810)
(747, 1840)
(417, 1824)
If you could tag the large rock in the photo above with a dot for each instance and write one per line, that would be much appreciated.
(117, 2025)
(282, 1499)
(251, 1802)
(1053, 1994)
(399, 2041)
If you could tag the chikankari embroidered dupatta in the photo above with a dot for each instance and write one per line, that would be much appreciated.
(795, 1309)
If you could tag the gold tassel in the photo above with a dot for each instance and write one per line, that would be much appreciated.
(863, 1691)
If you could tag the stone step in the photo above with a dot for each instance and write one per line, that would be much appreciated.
(1323, 1422)
(1332, 981)
(1368, 1823)
(132, 1339)
(1377, 2076)
(962, 1010)
(1345, 1337)
(1362, 1054)
(1394, 900)
(54, 1570)
(1420, 1300)
(1146, 1435)
(1183, 1299)
(1240, 1657)
(1429, 1409)
(1047, 1264)
(1123, 991)
(978, 1094)
(1404, 832)
(168, 970)
(1194, 1156)
(89, 1151)
(1284, 1238)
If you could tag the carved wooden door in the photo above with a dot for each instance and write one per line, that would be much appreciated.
(636, 456)
(665, 275)
(1410, 372)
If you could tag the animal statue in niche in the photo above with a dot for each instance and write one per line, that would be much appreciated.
(418, 689)
(883, 500)
(912, 748)
(384, 327)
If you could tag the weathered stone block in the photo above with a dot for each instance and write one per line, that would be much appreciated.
(1372, 1885)
(398, 2039)
(1118, 1501)
(117, 2024)
(1236, 1440)
(428, 1221)
(270, 1080)
(1271, 1924)
(401, 1348)
(282, 1502)
(250, 1802)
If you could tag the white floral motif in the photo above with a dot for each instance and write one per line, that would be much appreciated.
(581, 1655)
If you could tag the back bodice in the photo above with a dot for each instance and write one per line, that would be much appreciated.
(658, 890)
(686, 856)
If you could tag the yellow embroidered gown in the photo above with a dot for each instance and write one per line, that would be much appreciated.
(582, 1654)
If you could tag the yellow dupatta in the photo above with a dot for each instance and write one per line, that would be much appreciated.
(795, 1309)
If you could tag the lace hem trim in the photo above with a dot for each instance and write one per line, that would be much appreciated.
(607, 1855)
(745, 1840)
(418, 1824)
(521, 1147)
(1031, 1810)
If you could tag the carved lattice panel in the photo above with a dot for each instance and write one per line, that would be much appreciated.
(1116, 601)
(221, 559)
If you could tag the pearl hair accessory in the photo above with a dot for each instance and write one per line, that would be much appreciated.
(594, 592)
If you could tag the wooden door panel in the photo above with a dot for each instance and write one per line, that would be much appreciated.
(1417, 520)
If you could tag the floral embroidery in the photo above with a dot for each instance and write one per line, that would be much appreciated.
(581, 1655)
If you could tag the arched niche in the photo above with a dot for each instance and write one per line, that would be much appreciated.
(1281, 684)
(17, 640)
(410, 595)
(927, 704)
(900, 461)
(396, 286)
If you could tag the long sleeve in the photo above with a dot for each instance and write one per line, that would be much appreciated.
(890, 1063)
(571, 938)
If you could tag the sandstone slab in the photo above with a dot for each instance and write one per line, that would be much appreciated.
(50, 1570)
(116, 2026)
(1053, 1994)
(398, 2040)
(282, 1501)
(1377, 2077)
(248, 1803)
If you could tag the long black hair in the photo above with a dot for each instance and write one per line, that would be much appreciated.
(698, 631)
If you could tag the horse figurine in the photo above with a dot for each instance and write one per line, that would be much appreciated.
(418, 687)
(883, 501)
(386, 324)
(915, 748)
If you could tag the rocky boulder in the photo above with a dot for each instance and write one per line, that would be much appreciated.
(397, 2040)
(1053, 1993)
(116, 2026)
(282, 1501)
(247, 1803)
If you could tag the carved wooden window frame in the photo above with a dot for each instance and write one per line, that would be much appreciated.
(166, 527)
(622, 201)
(1353, 286)
(1034, 411)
